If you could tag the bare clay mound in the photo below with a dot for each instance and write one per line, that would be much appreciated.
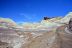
(47, 34)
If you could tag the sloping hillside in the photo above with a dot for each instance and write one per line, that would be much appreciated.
(49, 33)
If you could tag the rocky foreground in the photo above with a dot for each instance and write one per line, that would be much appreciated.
(47, 34)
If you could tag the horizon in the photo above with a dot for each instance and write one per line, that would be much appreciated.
(70, 13)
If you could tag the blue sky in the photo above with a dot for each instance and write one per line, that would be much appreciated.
(34, 10)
